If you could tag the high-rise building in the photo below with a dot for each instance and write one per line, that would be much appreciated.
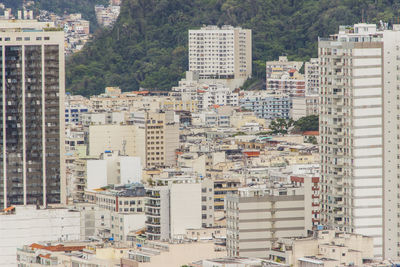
(311, 73)
(161, 137)
(32, 121)
(221, 53)
(359, 129)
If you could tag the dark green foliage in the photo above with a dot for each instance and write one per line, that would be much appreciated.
(280, 126)
(308, 123)
(13, 4)
(148, 45)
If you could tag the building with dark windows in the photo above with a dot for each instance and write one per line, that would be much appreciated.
(32, 117)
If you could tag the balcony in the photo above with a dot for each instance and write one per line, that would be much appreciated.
(152, 223)
(152, 213)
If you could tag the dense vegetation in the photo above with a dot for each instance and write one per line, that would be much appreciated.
(283, 126)
(308, 123)
(14, 4)
(148, 45)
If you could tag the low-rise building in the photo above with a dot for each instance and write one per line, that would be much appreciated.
(265, 105)
(326, 248)
(176, 206)
(21, 225)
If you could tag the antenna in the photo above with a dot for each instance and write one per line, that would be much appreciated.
(123, 147)
(362, 15)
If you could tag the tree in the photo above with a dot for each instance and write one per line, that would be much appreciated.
(280, 126)
(147, 47)
(308, 123)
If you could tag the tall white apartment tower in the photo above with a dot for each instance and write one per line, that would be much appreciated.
(360, 136)
(32, 113)
(221, 53)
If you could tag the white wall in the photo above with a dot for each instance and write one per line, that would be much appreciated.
(30, 225)
(185, 207)
(130, 170)
(96, 174)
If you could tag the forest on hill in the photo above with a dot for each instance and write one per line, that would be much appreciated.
(147, 47)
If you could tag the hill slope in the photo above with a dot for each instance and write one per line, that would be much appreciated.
(148, 45)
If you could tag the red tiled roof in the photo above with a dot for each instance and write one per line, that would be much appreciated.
(57, 248)
(311, 133)
(9, 208)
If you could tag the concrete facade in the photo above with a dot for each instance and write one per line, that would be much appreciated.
(221, 53)
(257, 217)
(32, 132)
(359, 132)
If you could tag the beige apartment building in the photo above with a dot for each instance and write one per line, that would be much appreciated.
(256, 217)
(154, 137)
(325, 248)
(221, 53)
(127, 139)
(161, 135)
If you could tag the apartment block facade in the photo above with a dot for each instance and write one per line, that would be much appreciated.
(221, 53)
(267, 106)
(32, 122)
(256, 217)
(359, 129)
(311, 73)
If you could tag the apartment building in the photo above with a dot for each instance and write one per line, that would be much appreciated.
(176, 206)
(161, 137)
(223, 187)
(127, 198)
(298, 109)
(327, 248)
(119, 210)
(359, 130)
(304, 106)
(128, 139)
(312, 105)
(281, 66)
(256, 217)
(291, 83)
(73, 113)
(32, 99)
(100, 118)
(203, 94)
(311, 185)
(267, 106)
(222, 53)
(112, 168)
(27, 224)
(311, 73)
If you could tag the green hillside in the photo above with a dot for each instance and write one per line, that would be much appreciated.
(148, 45)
